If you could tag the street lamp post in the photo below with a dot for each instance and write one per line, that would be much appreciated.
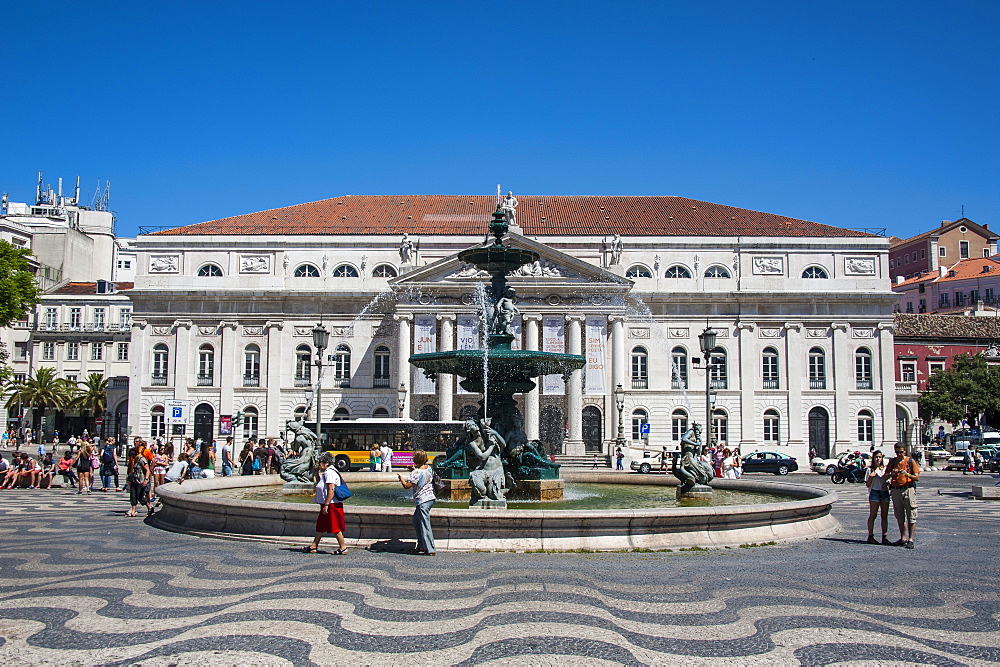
(706, 340)
(620, 403)
(401, 399)
(321, 337)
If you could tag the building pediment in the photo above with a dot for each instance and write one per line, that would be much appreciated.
(553, 269)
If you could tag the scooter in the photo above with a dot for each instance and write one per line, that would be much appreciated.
(848, 474)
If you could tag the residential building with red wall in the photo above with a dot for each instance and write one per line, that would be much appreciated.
(946, 245)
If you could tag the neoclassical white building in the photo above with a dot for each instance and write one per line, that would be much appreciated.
(223, 313)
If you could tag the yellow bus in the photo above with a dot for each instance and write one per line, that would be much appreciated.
(350, 440)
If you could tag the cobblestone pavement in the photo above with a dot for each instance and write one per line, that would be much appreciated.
(81, 584)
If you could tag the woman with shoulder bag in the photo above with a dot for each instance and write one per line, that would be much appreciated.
(421, 480)
(331, 510)
(84, 467)
(138, 478)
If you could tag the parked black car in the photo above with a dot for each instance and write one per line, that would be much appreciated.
(772, 462)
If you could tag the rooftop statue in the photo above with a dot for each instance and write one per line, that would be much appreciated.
(616, 250)
(405, 249)
(509, 208)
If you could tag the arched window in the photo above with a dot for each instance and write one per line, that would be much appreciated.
(206, 365)
(384, 271)
(428, 413)
(639, 417)
(769, 369)
(638, 271)
(678, 271)
(640, 368)
(345, 271)
(380, 413)
(161, 361)
(341, 414)
(720, 369)
(303, 366)
(679, 368)
(342, 366)
(250, 421)
(300, 413)
(251, 366)
(863, 368)
(717, 272)
(720, 426)
(678, 424)
(306, 271)
(772, 424)
(814, 272)
(381, 375)
(866, 427)
(157, 422)
(817, 368)
(468, 412)
(210, 271)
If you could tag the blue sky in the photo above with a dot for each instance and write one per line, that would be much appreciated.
(855, 114)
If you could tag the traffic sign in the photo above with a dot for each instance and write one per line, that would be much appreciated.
(644, 428)
(98, 421)
(178, 411)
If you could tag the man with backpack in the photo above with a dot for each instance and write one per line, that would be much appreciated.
(904, 473)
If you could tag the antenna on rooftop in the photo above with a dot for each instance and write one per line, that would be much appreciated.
(38, 189)
(101, 199)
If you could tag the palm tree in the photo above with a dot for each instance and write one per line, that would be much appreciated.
(91, 395)
(44, 390)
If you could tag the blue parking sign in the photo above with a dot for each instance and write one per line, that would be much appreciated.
(178, 413)
(644, 428)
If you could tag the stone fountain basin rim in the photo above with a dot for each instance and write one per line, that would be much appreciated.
(808, 497)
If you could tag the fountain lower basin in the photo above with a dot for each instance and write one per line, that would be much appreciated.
(805, 514)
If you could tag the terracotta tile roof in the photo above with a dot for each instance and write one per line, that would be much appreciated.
(537, 215)
(940, 230)
(88, 288)
(925, 278)
(908, 325)
(971, 268)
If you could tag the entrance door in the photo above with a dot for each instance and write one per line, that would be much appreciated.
(819, 432)
(592, 431)
(204, 422)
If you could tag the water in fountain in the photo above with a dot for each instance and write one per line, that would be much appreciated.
(380, 299)
(483, 303)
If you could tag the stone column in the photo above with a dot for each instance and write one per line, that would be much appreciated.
(619, 376)
(574, 390)
(843, 384)
(532, 409)
(273, 359)
(886, 372)
(403, 351)
(230, 368)
(747, 372)
(182, 361)
(793, 363)
(446, 381)
(140, 351)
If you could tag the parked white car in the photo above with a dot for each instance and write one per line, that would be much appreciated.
(827, 466)
(650, 462)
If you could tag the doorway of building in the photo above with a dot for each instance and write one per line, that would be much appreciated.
(204, 422)
(593, 432)
(819, 432)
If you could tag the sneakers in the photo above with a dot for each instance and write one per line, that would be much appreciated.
(909, 544)
(899, 543)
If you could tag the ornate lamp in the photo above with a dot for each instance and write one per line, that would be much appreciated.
(321, 337)
(620, 403)
(706, 339)
(401, 398)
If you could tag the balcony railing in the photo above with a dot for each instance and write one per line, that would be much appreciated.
(864, 384)
(251, 380)
(720, 384)
(768, 383)
(640, 383)
(817, 383)
(302, 381)
(679, 384)
(204, 380)
(342, 382)
(380, 382)
(113, 328)
(906, 387)
(158, 381)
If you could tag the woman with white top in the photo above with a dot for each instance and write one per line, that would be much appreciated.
(728, 464)
(331, 510)
(421, 481)
(878, 496)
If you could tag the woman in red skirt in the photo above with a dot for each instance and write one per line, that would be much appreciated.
(331, 510)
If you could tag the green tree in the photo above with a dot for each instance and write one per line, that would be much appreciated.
(91, 396)
(44, 390)
(969, 390)
(18, 290)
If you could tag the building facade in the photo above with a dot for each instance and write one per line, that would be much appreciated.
(950, 243)
(223, 313)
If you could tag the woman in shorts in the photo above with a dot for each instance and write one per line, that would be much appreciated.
(878, 496)
(84, 467)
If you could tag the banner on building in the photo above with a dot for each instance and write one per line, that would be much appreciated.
(597, 337)
(553, 340)
(225, 424)
(424, 340)
(468, 339)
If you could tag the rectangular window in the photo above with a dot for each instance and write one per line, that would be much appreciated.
(959, 298)
(942, 251)
(98, 319)
(71, 378)
(906, 260)
(914, 255)
(908, 371)
(923, 306)
(973, 296)
(909, 306)
(770, 371)
(48, 351)
(122, 351)
(20, 377)
(51, 318)
(125, 317)
(923, 253)
(124, 264)
(20, 350)
(934, 366)
(989, 295)
(944, 302)
(75, 317)
(986, 252)
(72, 351)
(97, 351)
(963, 250)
